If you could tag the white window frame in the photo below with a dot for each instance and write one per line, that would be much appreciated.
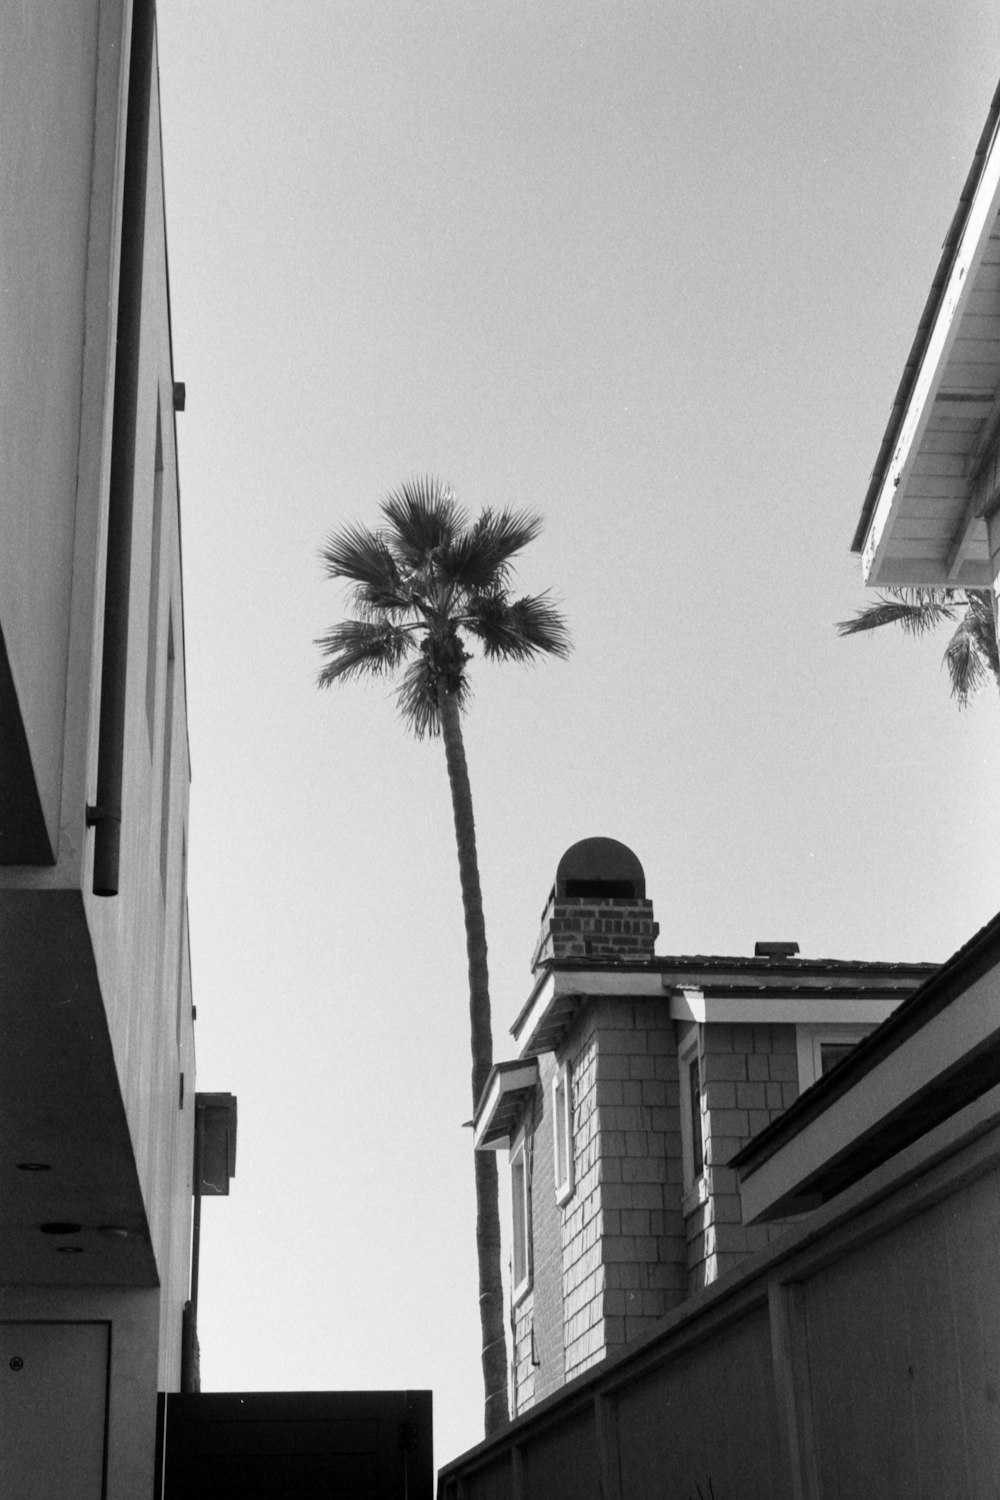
(520, 1202)
(689, 1051)
(810, 1037)
(562, 1132)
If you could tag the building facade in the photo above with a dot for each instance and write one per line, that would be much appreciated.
(638, 1078)
(857, 1353)
(97, 1125)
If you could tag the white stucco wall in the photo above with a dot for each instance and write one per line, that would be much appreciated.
(48, 69)
(63, 85)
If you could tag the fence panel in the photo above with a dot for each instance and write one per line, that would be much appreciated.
(904, 1355)
(563, 1460)
(706, 1420)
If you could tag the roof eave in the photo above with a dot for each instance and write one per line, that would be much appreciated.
(926, 325)
(974, 959)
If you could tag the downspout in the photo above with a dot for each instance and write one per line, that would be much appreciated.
(106, 814)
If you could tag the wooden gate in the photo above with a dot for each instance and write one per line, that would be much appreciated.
(338, 1445)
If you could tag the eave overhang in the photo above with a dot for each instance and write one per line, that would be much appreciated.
(922, 519)
(501, 1105)
(938, 1053)
(717, 989)
(560, 992)
(63, 1120)
(730, 1005)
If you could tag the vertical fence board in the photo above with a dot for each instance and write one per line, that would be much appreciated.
(793, 1386)
(972, 1245)
(609, 1456)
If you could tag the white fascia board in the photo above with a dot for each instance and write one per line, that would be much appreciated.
(587, 984)
(947, 1038)
(694, 1005)
(971, 249)
(601, 983)
(544, 995)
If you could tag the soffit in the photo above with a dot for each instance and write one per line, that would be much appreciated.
(66, 1154)
(921, 522)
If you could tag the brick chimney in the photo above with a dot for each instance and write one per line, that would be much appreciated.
(598, 908)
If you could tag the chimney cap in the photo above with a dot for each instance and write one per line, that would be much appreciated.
(775, 950)
(600, 867)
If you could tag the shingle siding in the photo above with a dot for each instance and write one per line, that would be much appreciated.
(749, 1076)
(621, 1253)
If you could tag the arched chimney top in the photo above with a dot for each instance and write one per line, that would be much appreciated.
(601, 868)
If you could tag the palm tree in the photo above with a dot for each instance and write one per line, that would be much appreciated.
(422, 585)
(970, 656)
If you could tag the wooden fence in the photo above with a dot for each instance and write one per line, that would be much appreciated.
(858, 1356)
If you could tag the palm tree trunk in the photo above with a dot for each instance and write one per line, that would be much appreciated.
(494, 1346)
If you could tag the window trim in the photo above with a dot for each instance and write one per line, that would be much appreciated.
(690, 1051)
(810, 1037)
(520, 1202)
(562, 1117)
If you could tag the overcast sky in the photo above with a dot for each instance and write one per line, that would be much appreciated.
(652, 269)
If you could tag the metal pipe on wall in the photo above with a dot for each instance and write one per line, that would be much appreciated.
(106, 815)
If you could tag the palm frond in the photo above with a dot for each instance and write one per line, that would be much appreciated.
(982, 622)
(357, 648)
(971, 655)
(968, 671)
(362, 557)
(417, 698)
(917, 611)
(374, 603)
(424, 517)
(480, 556)
(516, 629)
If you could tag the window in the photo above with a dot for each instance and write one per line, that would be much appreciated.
(821, 1047)
(521, 1247)
(694, 1100)
(831, 1053)
(692, 1108)
(562, 1131)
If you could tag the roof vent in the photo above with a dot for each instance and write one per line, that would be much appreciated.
(775, 950)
